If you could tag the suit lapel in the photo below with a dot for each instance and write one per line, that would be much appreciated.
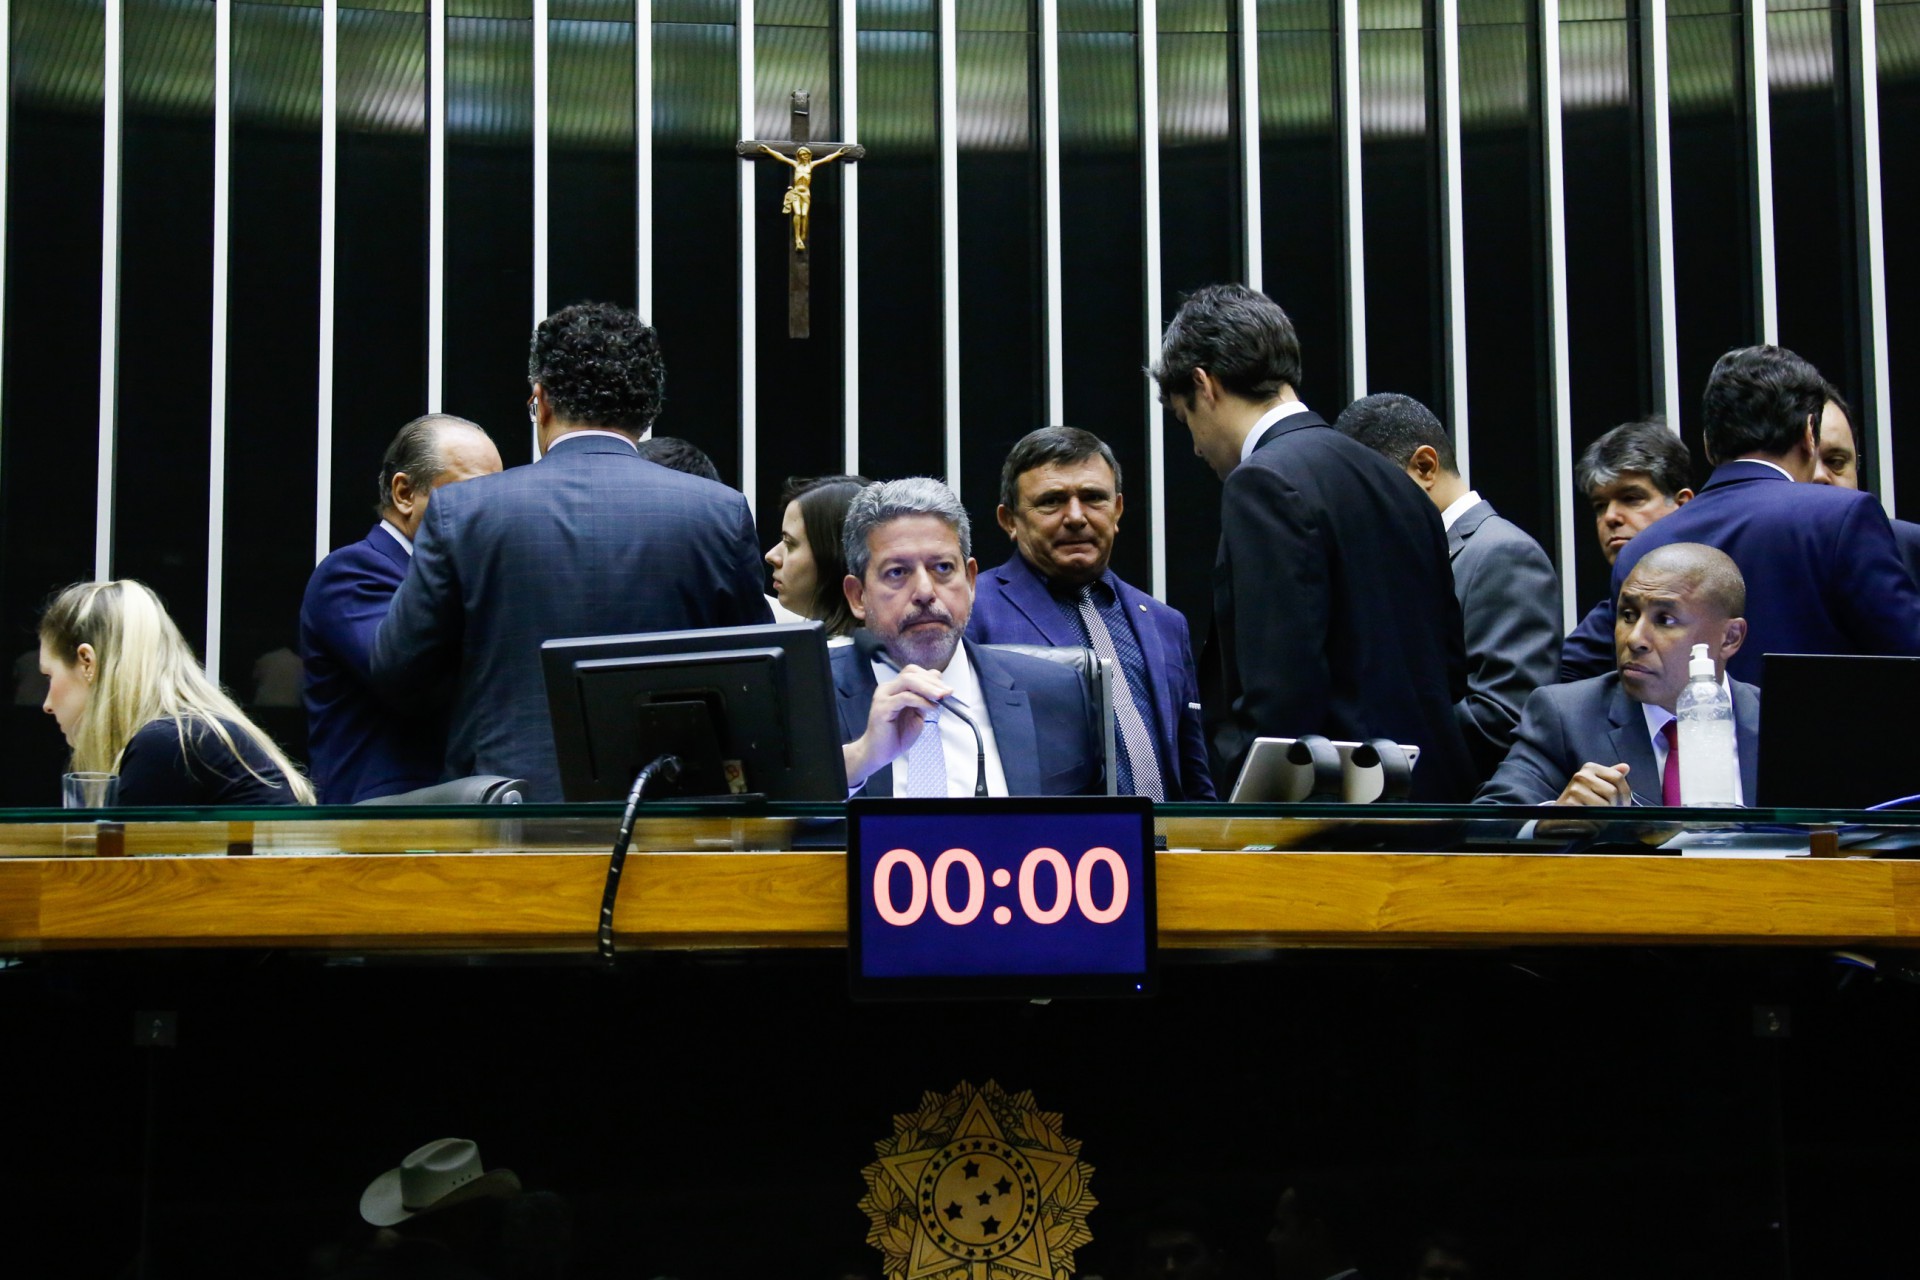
(1028, 593)
(1292, 422)
(1010, 714)
(853, 686)
(1746, 731)
(1633, 746)
(1464, 527)
(389, 548)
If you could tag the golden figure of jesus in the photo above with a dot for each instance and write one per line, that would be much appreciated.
(799, 197)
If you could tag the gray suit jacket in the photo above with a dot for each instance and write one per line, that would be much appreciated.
(1593, 720)
(1510, 607)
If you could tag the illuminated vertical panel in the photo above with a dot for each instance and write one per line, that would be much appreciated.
(1870, 235)
(1453, 303)
(112, 94)
(1150, 219)
(1560, 399)
(749, 353)
(643, 158)
(1248, 49)
(217, 397)
(329, 231)
(436, 202)
(950, 236)
(1055, 372)
(1760, 175)
(848, 60)
(1655, 108)
(1356, 240)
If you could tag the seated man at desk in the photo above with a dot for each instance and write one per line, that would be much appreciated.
(910, 689)
(1677, 596)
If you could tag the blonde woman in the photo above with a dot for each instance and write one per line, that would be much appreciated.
(131, 699)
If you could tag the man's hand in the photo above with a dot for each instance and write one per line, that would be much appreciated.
(1598, 784)
(901, 708)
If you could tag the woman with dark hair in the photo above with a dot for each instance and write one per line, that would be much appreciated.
(808, 563)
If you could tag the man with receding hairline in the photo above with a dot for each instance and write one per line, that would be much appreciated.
(1677, 596)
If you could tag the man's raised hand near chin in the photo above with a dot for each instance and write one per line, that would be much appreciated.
(901, 708)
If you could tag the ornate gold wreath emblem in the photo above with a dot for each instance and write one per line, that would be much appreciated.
(978, 1184)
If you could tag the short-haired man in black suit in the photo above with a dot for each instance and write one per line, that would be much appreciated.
(590, 540)
(1333, 606)
(1508, 591)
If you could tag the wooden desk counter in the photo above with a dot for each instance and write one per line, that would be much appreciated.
(724, 900)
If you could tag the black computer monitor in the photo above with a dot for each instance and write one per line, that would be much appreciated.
(1833, 732)
(749, 710)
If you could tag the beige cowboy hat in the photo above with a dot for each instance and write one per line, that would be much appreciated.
(446, 1171)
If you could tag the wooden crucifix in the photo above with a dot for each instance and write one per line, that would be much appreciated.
(798, 154)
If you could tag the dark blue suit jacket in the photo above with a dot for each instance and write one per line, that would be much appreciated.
(592, 540)
(1594, 721)
(358, 747)
(1012, 606)
(1038, 710)
(1823, 573)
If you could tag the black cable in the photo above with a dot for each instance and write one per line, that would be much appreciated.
(667, 767)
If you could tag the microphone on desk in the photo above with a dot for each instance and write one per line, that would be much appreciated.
(868, 646)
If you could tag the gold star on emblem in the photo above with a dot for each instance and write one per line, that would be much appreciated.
(978, 1184)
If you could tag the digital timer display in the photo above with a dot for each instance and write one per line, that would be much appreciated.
(1001, 897)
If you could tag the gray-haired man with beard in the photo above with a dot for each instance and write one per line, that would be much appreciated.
(910, 684)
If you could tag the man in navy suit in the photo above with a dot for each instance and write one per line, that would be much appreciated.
(1060, 503)
(359, 747)
(1677, 596)
(1839, 465)
(912, 690)
(1822, 571)
(590, 540)
(1507, 588)
(1333, 606)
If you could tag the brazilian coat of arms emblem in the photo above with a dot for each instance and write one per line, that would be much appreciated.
(978, 1184)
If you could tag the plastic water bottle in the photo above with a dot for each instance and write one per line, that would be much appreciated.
(1705, 712)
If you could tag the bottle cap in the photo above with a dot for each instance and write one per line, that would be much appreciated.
(1701, 664)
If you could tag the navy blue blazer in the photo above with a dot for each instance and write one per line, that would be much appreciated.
(1823, 572)
(358, 747)
(591, 540)
(1011, 605)
(1594, 721)
(1906, 536)
(1038, 710)
(1333, 608)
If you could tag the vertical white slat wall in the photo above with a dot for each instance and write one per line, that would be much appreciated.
(1050, 207)
(1760, 173)
(540, 159)
(950, 237)
(6, 112)
(643, 159)
(1354, 220)
(848, 29)
(217, 385)
(1453, 301)
(112, 90)
(436, 202)
(329, 222)
(749, 316)
(1560, 393)
(1870, 238)
(1657, 163)
(1247, 49)
(1150, 249)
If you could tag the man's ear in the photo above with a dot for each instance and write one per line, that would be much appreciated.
(1005, 518)
(1683, 497)
(1424, 466)
(401, 495)
(856, 593)
(1204, 386)
(1736, 635)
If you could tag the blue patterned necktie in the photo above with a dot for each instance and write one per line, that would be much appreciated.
(927, 762)
(1139, 766)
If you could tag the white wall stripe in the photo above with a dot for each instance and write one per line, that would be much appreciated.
(217, 397)
(1863, 54)
(112, 84)
(950, 238)
(1249, 114)
(849, 59)
(1150, 269)
(1659, 185)
(1050, 206)
(643, 158)
(1350, 195)
(540, 157)
(329, 217)
(749, 316)
(436, 201)
(1562, 404)
(1760, 176)
(1453, 248)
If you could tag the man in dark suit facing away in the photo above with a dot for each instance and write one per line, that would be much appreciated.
(1333, 607)
(912, 690)
(1822, 572)
(1061, 502)
(359, 746)
(1508, 591)
(589, 540)
(1594, 741)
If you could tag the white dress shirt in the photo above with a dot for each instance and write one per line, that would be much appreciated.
(1267, 419)
(398, 536)
(592, 431)
(1459, 507)
(956, 740)
(1768, 463)
(1657, 718)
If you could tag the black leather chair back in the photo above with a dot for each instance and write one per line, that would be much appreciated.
(482, 788)
(1096, 677)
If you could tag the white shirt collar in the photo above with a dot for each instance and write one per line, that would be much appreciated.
(1459, 507)
(592, 431)
(1267, 419)
(1768, 463)
(398, 536)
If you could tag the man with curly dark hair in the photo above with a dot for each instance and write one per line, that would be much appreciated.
(590, 540)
